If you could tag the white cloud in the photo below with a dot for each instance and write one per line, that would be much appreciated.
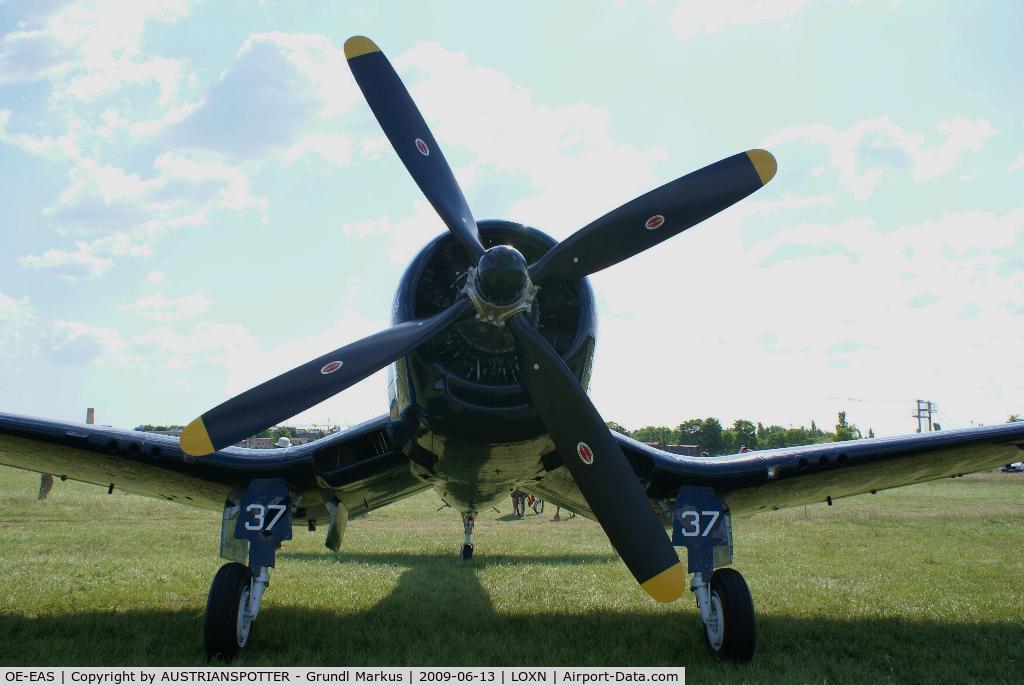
(91, 49)
(961, 135)
(88, 51)
(566, 155)
(221, 345)
(160, 308)
(16, 317)
(30, 55)
(739, 328)
(103, 42)
(1017, 164)
(197, 180)
(77, 343)
(331, 147)
(863, 153)
(228, 351)
(80, 343)
(690, 19)
(90, 259)
(788, 201)
(257, 363)
(135, 212)
(404, 236)
(65, 145)
(278, 86)
(155, 277)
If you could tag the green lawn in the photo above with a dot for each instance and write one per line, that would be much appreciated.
(922, 584)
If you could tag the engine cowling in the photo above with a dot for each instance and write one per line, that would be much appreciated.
(465, 383)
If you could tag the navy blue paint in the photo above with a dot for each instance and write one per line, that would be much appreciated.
(433, 401)
(615, 497)
(263, 543)
(700, 549)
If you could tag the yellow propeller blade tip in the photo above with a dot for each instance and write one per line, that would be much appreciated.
(668, 585)
(195, 440)
(764, 164)
(359, 45)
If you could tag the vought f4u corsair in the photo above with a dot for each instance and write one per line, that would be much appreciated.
(489, 359)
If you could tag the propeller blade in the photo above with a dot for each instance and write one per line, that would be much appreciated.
(598, 466)
(660, 214)
(305, 386)
(405, 128)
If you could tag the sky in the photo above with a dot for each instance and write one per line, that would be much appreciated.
(196, 198)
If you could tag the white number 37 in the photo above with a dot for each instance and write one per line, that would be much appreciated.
(690, 523)
(260, 516)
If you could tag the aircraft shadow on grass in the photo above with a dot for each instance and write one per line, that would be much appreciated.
(436, 561)
(443, 617)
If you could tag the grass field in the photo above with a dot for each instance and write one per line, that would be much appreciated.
(921, 584)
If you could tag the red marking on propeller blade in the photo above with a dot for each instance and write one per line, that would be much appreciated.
(585, 453)
(422, 147)
(330, 367)
(654, 222)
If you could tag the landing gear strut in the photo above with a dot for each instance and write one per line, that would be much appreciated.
(701, 523)
(468, 521)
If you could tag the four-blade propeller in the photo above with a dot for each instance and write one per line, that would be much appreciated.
(504, 284)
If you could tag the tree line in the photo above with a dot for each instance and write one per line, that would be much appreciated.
(715, 439)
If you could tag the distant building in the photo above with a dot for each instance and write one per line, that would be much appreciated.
(685, 450)
(174, 432)
(268, 443)
(302, 435)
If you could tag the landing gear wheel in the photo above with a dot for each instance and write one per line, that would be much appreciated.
(467, 552)
(226, 629)
(732, 634)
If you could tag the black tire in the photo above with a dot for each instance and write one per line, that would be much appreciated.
(730, 597)
(223, 634)
(538, 506)
(467, 552)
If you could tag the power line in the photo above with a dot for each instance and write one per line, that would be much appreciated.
(868, 399)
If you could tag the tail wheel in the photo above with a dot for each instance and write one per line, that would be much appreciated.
(227, 628)
(732, 633)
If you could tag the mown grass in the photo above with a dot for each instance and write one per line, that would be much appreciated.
(922, 584)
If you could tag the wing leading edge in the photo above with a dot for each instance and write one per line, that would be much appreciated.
(786, 477)
(360, 466)
(766, 480)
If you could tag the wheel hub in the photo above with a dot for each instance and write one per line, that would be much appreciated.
(243, 621)
(714, 626)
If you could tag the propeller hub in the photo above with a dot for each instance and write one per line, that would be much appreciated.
(501, 275)
(500, 287)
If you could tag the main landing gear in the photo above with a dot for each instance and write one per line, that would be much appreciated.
(231, 608)
(262, 517)
(701, 523)
(727, 610)
(468, 521)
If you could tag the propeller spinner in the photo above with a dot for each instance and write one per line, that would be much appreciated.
(501, 288)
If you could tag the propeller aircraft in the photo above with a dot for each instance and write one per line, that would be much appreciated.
(489, 359)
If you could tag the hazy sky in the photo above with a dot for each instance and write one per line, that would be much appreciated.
(195, 197)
